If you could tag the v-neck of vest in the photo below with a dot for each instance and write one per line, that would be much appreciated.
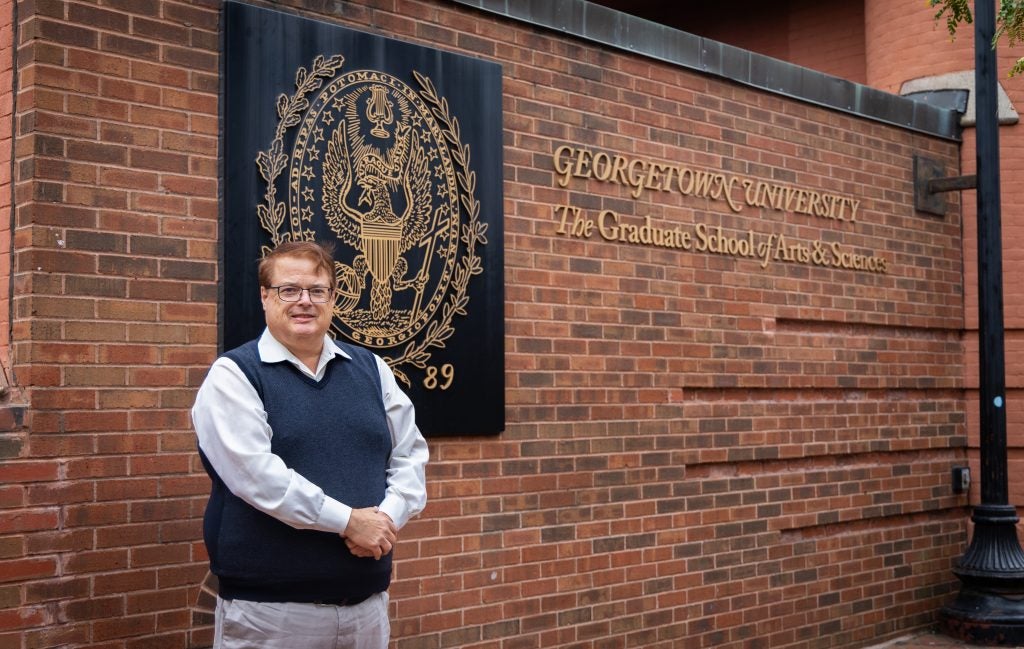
(328, 370)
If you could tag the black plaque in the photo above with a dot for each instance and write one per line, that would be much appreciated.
(392, 151)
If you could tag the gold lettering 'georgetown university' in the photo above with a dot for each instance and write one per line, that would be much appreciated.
(380, 167)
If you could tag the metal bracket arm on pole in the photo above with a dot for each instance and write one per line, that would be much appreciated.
(930, 184)
(952, 183)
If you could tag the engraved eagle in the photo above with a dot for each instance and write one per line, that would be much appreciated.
(399, 175)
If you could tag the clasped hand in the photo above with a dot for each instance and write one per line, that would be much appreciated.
(370, 533)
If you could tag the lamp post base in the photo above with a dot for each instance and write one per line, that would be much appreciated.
(984, 618)
(989, 610)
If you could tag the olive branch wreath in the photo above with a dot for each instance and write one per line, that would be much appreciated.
(272, 162)
(272, 214)
(473, 232)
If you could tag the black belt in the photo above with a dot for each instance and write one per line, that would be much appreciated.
(344, 601)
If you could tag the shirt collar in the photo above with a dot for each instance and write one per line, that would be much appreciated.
(272, 351)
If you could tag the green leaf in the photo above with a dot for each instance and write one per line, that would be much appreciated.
(1011, 21)
(959, 12)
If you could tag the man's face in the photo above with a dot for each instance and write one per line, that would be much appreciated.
(299, 326)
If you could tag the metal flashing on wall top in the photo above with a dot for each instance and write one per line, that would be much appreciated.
(622, 31)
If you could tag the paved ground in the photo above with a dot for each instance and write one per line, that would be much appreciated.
(923, 640)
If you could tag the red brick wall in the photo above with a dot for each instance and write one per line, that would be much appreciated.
(114, 316)
(900, 42)
(823, 36)
(905, 43)
(829, 36)
(6, 117)
(699, 451)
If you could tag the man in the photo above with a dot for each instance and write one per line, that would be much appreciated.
(316, 463)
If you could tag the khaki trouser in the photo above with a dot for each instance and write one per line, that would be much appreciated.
(267, 625)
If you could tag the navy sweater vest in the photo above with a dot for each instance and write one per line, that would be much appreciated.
(333, 432)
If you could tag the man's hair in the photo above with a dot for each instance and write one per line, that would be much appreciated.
(320, 253)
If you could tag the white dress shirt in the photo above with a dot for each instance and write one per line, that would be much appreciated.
(233, 433)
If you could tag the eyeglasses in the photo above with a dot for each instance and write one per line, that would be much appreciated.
(319, 294)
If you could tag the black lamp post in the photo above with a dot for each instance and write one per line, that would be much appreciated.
(990, 606)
